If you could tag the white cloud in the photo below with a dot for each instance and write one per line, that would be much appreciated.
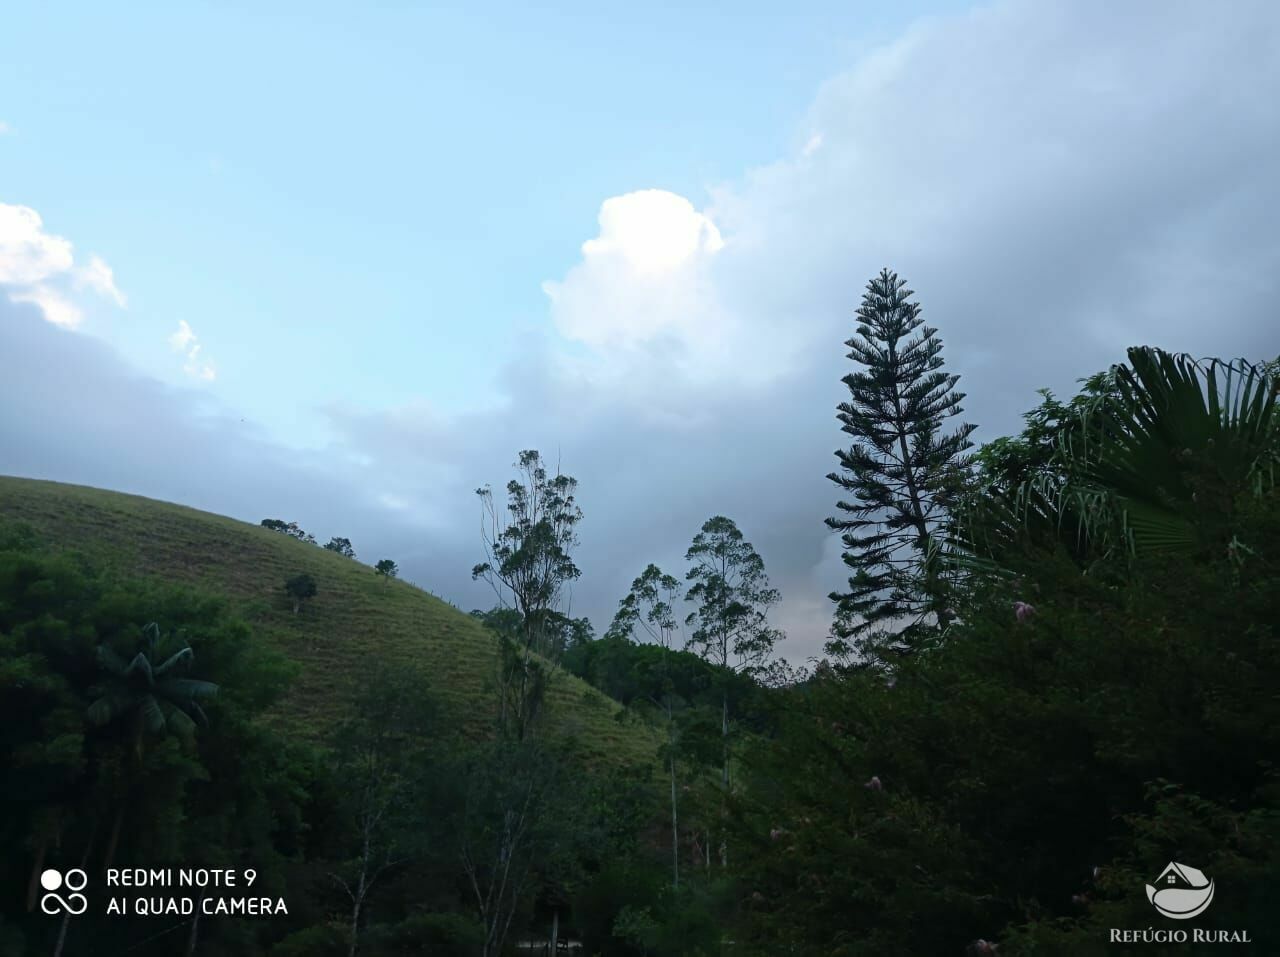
(653, 232)
(56, 307)
(645, 278)
(28, 254)
(183, 338)
(38, 267)
(185, 341)
(99, 277)
(5, 128)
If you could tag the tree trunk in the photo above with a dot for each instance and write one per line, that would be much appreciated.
(195, 929)
(724, 778)
(355, 929)
(113, 842)
(62, 936)
(675, 830)
(66, 918)
(37, 868)
(555, 930)
(357, 900)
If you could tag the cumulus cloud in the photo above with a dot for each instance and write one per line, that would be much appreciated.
(186, 342)
(644, 278)
(38, 267)
(54, 306)
(28, 254)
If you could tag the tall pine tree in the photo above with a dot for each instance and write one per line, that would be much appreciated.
(902, 474)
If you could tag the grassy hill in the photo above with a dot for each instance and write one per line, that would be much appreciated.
(355, 615)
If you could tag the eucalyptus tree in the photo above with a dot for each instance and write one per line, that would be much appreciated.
(529, 564)
(507, 820)
(651, 604)
(731, 596)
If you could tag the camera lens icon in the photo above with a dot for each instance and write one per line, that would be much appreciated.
(74, 881)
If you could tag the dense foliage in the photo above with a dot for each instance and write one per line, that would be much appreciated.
(1104, 704)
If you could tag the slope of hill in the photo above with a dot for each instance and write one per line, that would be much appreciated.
(355, 617)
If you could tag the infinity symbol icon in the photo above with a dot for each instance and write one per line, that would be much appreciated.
(74, 880)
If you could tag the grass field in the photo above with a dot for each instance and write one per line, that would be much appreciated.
(355, 615)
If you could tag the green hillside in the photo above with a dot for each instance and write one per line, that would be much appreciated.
(356, 614)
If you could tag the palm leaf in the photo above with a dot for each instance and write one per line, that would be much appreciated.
(111, 705)
(152, 714)
(175, 688)
(1128, 475)
(184, 655)
(140, 664)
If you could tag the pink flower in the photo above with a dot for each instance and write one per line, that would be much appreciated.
(981, 946)
(1022, 611)
(776, 833)
(874, 784)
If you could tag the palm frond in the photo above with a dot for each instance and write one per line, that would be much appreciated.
(110, 706)
(182, 656)
(176, 688)
(140, 665)
(152, 714)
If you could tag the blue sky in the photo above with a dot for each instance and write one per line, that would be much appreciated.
(338, 265)
(346, 200)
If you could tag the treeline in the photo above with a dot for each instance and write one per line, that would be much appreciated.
(1052, 671)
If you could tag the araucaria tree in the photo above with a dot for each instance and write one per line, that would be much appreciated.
(731, 596)
(902, 473)
(530, 567)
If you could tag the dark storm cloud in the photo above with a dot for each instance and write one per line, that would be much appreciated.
(1056, 181)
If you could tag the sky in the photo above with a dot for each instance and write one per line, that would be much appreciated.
(338, 265)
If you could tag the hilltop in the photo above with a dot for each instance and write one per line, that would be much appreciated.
(355, 618)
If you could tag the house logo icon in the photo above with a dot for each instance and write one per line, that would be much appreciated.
(1181, 892)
